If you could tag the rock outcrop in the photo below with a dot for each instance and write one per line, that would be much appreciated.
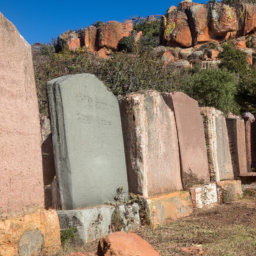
(125, 244)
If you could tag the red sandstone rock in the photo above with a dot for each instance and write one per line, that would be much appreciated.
(103, 53)
(177, 31)
(21, 174)
(193, 154)
(241, 44)
(213, 54)
(224, 19)
(112, 32)
(81, 254)
(125, 244)
(184, 5)
(168, 58)
(249, 12)
(90, 35)
(74, 44)
(152, 162)
(199, 23)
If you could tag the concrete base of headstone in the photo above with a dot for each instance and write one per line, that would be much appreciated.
(229, 191)
(167, 208)
(97, 222)
(204, 196)
(35, 233)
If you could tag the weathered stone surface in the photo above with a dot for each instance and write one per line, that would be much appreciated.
(125, 244)
(229, 191)
(213, 54)
(151, 144)
(74, 44)
(253, 144)
(236, 134)
(249, 54)
(223, 19)
(193, 153)
(168, 58)
(38, 232)
(167, 208)
(177, 31)
(112, 32)
(204, 196)
(181, 64)
(184, 53)
(217, 143)
(198, 21)
(248, 139)
(90, 38)
(185, 5)
(87, 139)
(21, 174)
(97, 222)
(249, 13)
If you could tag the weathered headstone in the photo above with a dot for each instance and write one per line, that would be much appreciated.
(87, 140)
(217, 143)
(237, 145)
(193, 153)
(151, 144)
(21, 176)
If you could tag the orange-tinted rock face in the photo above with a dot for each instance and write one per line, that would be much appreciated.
(241, 44)
(21, 174)
(229, 191)
(170, 207)
(74, 44)
(34, 234)
(184, 5)
(112, 32)
(168, 58)
(250, 18)
(90, 35)
(151, 144)
(125, 244)
(198, 16)
(223, 19)
(177, 31)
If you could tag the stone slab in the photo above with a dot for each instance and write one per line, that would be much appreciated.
(248, 140)
(167, 208)
(237, 145)
(204, 196)
(88, 141)
(37, 232)
(217, 143)
(151, 144)
(193, 153)
(97, 222)
(229, 191)
(21, 175)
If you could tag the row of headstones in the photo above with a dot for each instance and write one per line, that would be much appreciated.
(148, 143)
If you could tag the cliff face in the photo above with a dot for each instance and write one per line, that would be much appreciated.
(190, 23)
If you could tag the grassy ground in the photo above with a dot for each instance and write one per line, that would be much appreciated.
(224, 230)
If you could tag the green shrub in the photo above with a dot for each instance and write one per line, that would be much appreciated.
(216, 88)
(67, 235)
(149, 29)
(232, 59)
(126, 44)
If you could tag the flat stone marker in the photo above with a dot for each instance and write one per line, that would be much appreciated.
(151, 144)
(217, 142)
(236, 134)
(87, 140)
(21, 174)
(193, 153)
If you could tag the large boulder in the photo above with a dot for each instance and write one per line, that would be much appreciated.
(177, 31)
(250, 18)
(223, 20)
(125, 244)
(90, 36)
(112, 32)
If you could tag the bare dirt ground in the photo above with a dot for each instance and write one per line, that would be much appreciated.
(228, 229)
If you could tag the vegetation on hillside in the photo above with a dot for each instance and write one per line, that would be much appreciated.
(229, 88)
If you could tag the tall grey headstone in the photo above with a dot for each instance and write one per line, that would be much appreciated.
(87, 140)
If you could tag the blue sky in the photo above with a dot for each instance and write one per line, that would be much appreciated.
(40, 21)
